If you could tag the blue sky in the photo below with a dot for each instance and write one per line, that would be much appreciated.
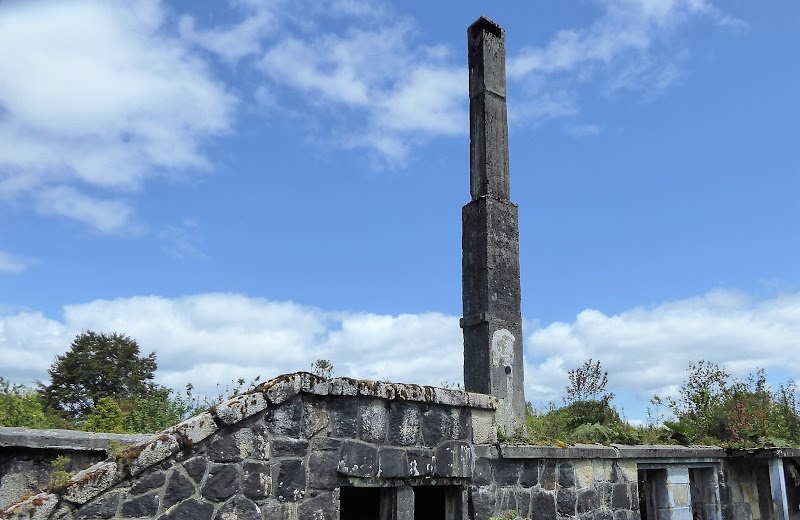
(245, 187)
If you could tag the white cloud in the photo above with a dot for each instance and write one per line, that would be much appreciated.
(393, 91)
(104, 215)
(211, 339)
(629, 47)
(647, 350)
(12, 263)
(96, 94)
(214, 339)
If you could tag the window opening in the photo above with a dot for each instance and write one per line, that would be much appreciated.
(360, 503)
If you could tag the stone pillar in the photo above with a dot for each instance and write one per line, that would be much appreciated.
(777, 485)
(492, 322)
(677, 503)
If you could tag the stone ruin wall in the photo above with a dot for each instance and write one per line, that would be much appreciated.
(292, 448)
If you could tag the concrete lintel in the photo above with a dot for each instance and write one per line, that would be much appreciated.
(581, 451)
(65, 439)
(668, 451)
(661, 463)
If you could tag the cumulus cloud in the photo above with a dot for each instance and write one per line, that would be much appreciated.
(214, 339)
(13, 264)
(647, 350)
(97, 95)
(211, 339)
(629, 47)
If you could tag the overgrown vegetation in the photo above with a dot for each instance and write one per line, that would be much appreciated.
(711, 408)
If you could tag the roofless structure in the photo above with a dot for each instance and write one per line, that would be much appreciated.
(302, 447)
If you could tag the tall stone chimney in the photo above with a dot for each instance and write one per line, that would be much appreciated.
(492, 322)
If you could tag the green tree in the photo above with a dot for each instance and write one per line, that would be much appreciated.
(21, 406)
(159, 410)
(107, 416)
(588, 383)
(97, 366)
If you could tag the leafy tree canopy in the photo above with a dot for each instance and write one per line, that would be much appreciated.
(97, 366)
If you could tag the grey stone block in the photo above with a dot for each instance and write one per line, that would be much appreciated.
(191, 510)
(566, 474)
(290, 481)
(357, 459)
(316, 419)
(543, 505)
(147, 483)
(324, 506)
(588, 500)
(393, 463)
(224, 449)
(104, 507)
(603, 514)
(620, 497)
(240, 508)
(344, 418)
(404, 423)
(222, 482)
(482, 474)
(322, 468)
(435, 426)
(256, 479)
(507, 472)
(196, 468)
(178, 488)
(284, 420)
(547, 475)
(482, 501)
(420, 462)
(566, 501)
(373, 421)
(453, 459)
(529, 474)
(286, 447)
(145, 506)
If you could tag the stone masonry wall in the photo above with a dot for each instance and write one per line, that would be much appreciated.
(26, 456)
(282, 451)
(537, 488)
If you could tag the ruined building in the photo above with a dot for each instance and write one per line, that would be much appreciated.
(308, 448)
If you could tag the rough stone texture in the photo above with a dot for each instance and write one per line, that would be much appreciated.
(290, 482)
(196, 468)
(453, 459)
(191, 510)
(145, 506)
(178, 488)
(104, 507)
(393, 463)
(222, 482)
(404, 423)
(224, 449)
(151, 453)
(195, 429)
(239, 508)
(240, 407)
(358, 459)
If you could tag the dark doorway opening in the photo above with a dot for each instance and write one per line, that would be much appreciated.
(430, 503)
(652, 492)
(357, 503)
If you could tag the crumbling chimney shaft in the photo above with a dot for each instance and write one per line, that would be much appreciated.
(492, 322)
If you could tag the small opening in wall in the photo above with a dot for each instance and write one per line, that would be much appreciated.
(652, 493)
(429, 503)
(508, 370)
(359, 503)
